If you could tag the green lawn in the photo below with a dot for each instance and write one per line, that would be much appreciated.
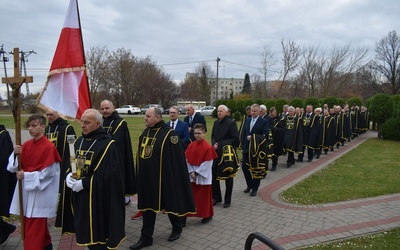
(371, 169)
(383, 240)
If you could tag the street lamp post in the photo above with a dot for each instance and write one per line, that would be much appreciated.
(216, 94)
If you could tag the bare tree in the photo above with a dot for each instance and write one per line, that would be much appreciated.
(267, 61)
(370, 77)
(387, 63)
(339, 67)
(311, 68)
(205, 73)
(199, 85)
(189, 88)
(168, 97)
(121, 84)
(291, 59)
(97, 60)
(259, 90)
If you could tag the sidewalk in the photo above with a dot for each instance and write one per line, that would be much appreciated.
(291, 226)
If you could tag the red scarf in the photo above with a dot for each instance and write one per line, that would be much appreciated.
(38, 154)
(199, 152)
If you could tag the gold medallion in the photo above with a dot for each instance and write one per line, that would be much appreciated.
(289, 124)
(174, 139)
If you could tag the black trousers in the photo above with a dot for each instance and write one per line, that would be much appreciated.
(251, 183)
(274, 160)
(216, 188)
(98, 247)
(290, 159)
(149, 221)
(310, 153)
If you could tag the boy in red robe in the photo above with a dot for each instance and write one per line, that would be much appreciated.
(199, 158)
(40, 176)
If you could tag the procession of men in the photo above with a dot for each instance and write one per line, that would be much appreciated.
(105, 163)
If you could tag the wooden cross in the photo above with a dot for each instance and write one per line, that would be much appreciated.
(16, 82)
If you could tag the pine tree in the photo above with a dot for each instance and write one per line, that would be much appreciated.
(246, 85)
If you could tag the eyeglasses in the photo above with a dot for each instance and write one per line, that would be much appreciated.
(173, 113)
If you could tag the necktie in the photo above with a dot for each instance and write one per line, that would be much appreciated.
(190, 120)
(252, 123)
(172, 126)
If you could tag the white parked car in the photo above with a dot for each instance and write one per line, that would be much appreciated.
(128, 109)
(145, 108)
(206, 110)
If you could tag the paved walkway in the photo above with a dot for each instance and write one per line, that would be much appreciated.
(291, 226)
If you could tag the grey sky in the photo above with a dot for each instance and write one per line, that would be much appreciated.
(177, 33)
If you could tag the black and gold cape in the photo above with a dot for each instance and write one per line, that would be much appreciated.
(162, 175)
(99, 209)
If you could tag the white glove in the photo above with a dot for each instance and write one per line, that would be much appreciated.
(78, 186)
(70, 181)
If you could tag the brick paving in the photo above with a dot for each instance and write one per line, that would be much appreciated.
(292, 226)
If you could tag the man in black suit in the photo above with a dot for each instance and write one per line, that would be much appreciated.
(224, 139)
(252, 126)
(192, 118)
(180, 127)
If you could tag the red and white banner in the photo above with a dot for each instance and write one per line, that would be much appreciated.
(67, 90)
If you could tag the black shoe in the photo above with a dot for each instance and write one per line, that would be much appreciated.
(299, 160)
(174, 236)
(215, 202)
(253, 193)
(247, 190)
(226, 205)
(206, 220)
(140, 244)
(273, 168)
(8, 229)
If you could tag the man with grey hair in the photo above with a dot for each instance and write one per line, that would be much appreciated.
(192, 117)
(285, 111)
(224, 139)
(255, 129)
(180, 127)
(263, 111)
(98, 190)
(293, 139)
